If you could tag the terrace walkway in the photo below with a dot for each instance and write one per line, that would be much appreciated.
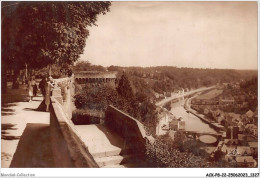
(25, 131)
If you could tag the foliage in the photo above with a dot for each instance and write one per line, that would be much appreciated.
(55, 70)
(124, 88)
(164, 153)
(248, 92)
(81, 117)
(162, 79)
(87, 66)
(98, 97)
(43, 33)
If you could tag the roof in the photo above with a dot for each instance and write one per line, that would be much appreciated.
(236, 116)
(249, 113)
(227, 148)
(242, 159)
(253, 126)
(243, 149)
(174, 122)
(241, 136)
(253, 144)
(227, 100)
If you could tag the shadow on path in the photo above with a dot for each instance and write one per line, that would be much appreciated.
(5, 110)
(112, 136)
(4, 132)
(34, 148)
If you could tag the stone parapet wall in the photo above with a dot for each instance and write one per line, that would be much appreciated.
(128, 127)
(67, 91)
(67, 147)
(95, 74)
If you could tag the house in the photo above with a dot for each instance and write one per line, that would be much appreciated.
(246, 161)
(227, 149)
(254, 147)
(252, 128)
(235, 117)
(244, 104)
(173, 125)
(181, 124)
(241, 126)
(177, 124)
(228, 119)
(244, 150)
(255, 131)
(227, 101)
(168, 94)
(220, 119)
(249, 114)
(255, 117)
(242, 139)
(157, 95)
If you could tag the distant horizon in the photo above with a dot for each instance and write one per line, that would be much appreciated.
(213, 35)
(168, 66)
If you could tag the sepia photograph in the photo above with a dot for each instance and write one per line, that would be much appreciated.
(129, 84)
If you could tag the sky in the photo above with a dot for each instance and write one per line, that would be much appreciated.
(181, 34)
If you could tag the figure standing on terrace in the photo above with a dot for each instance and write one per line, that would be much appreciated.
(48, 88)
(42, 86)
(30, 85)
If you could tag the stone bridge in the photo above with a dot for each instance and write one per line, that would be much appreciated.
(119, 142)
(195, 134)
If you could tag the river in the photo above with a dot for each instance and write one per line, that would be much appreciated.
(192, 123)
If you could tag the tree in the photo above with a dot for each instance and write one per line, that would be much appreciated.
(43, 33)
(124, 87)
(87, 66)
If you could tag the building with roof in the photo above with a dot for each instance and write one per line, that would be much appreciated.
(254, 147)
(246, 161)
(249, 114)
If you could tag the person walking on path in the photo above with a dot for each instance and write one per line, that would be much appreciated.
(48, 88)
(30, 89)
(42, 85)
(35, 88)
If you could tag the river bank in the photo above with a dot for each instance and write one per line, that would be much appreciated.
(192, 122)
(188, 108)
(168, 99)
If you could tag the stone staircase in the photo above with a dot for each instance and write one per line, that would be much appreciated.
(108, 149)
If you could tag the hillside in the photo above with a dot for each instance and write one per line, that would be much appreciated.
(162, 79)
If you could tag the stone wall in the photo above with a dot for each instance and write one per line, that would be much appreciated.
(64, 91)
(128, 127)
(95, 74)
(90, 77)
(67, 147)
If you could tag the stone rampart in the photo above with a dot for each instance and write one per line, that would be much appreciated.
(68, 148)
(128, 127)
